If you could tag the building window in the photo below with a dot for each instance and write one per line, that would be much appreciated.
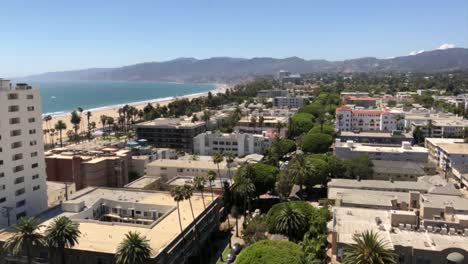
(16, 145)
(32, 131)
(2, 174)
(18, 168)
(20, 203)
(30, 108)
(2, 187)
(2, 200)
(15, 120)
(29, 96)
(34, 165)
(35, 176)
(37, 187)
(33, 154)
(31, 120)
(15, 133)
(12, 96)
(20, 192)
(13, 108)
(17, 156)
(20, 215)
(19, 180)
(33, 143)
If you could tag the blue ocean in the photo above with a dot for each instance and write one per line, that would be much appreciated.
(65, 96)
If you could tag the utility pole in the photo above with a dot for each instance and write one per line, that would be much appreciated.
(66, 191)
(6, 213)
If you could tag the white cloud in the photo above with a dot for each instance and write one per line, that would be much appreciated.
(416, 52)
(446, 46)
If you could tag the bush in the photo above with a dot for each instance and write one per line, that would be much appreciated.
(255, 230)
(263, 176)
(270, 252)
(305, 208)
(316, 143)
(301, 123)
(327, 129)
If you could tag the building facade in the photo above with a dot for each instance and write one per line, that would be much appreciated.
(351, 119)
(23, 189)
(289, 101)
(170, 132)
(239, 144)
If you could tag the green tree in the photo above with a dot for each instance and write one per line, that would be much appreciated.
(368, 248)
(316, 143)
(359, 167)
(284, 184)
(25, 236)
(217, 159)
(188, 192)
(60, 125)
(255, 230)
(263, 176)
(62, 233)
(134, 249)
(301, 123)
(199, 185)
(290, 221)
(298, 169)
(270, 252)
(244, 190)
(75, 119)
(211, 177)
(178, 193)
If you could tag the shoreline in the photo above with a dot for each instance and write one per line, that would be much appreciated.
(112, 111)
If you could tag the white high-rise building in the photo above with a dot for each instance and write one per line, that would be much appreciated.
(23, 189)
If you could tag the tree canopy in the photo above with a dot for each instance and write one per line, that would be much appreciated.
(263, 176)
(270, 252)
(316, 143)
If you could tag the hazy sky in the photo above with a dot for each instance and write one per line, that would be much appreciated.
(40, 36)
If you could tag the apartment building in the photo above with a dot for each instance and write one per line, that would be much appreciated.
(99, 166)
(272, 93)
(350, 118)
(23, 189)
(400, 170)
(440, 128)
(289, 101)
(276, 112)
(363, 101)
(383, 138)
(175, 133)
(239, 144)
(106, 215)
(251, 124)
(406, 152)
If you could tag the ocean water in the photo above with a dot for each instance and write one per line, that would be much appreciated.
(65, 96)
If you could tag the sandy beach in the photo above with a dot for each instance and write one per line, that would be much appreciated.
(112, 110)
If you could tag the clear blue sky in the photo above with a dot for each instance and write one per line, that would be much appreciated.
(39, 36)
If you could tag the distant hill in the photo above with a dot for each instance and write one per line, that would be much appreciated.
(226, 69)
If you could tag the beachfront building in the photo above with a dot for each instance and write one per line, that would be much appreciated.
(23, 189)
(350, 118)
(381, 138)
(98, 166)
(238, 144)
(289, 101)
(175, 133)
(251, 124)
(106, 215)
(405, 152)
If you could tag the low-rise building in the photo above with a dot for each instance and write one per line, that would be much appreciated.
(239, 144)
(58, 192)
(363, 101)
(175, 133)
(272, 93)
(251, 124)
(350, 118)
(105, 216)
(289, 101)
(145, 183)
(406, 152)
(401, 170)
(388, 138)
(103, 166)
(139, 162)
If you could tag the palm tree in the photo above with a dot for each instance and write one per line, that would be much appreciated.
(211, 177)
(217, 159)
(75, 119)
(188, 192)
(245, 190)
(80, 110)
(290, 221)
(26, 236)
(229, 160)
(199, 185)
(88, 117)
(60, 125)
(368, 248)
(103, 122)
(178, 194)
(62, 233)
(134, 249)
(299, 170)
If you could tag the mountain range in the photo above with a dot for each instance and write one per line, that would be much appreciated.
(227, 69)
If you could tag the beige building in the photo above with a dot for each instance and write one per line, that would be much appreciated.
(145, 183)
(250, 124)
(58, 192)
(401, 170)
(106, 215)
(23, 189)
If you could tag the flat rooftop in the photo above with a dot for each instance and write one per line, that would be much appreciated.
(436, 141)
(54, 186)
(400, 167)
(105, 236)
(187, 164)
(358, 147)
(171, 123)
(142, 182)
(366, 197)
(374, 135)
(454, 148)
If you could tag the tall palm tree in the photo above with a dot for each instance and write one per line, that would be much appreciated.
(178, 194)
(80, 110)
(60, 125)
(26, 236)
(289, 221)
(62, 233)
(134, 249)
(75, 119)
(199, 185)
(245, 191)
(230, 160)
(188, 192)
(368, 248)
(217, 159)
(211, 177)
(103, 119)
(299, 170)
(88, 117)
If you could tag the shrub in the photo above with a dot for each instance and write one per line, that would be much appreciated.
(305, 208)
(316, 143)
(270, 252)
